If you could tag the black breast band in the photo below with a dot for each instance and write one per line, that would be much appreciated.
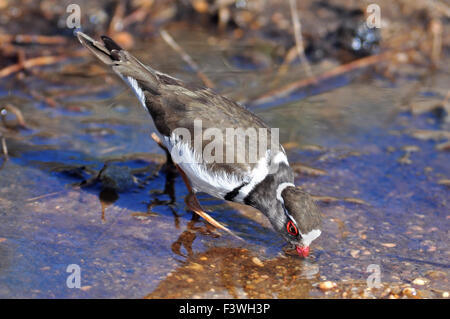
(232, 194)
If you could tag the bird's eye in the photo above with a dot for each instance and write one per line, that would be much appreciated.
(291, 228)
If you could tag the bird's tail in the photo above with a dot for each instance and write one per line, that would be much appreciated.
(140, 77)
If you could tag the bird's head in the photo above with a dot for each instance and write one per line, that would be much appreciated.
(297, 218)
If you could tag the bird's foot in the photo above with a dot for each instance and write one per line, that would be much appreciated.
(193, 204)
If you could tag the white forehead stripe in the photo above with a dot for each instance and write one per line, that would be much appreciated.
(308, 238)
(281, 188)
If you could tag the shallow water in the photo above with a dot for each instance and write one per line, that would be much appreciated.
(145, 244)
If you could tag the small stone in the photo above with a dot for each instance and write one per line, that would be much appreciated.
(445, 294)
(432, 249)
(257, 262)
(416, 228)
(354, 253)
(86, 288)
(405, 159)
(386, 292)
(196, 267)
(389, 245)
(420, 281)
(327, 285)
(410, 148)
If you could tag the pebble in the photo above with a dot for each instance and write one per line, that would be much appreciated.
(420, 281)
(388, 245)
(445, 294)
(410, 292)
(257, 262)
(196, 267)
(386, 292)
(354, 253)
(327, 285)
(411, 148)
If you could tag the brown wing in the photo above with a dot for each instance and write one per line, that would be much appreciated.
(173, 104)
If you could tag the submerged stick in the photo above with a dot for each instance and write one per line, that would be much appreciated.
(186, 58)
(30, 63)
(298, 36)
(436, 30)
(4, 147)
(332, 199)
(340, 70)
(116, 22)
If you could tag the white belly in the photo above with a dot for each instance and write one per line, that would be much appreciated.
(216, 184)
(219, 183)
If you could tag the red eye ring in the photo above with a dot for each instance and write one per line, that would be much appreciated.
(291, 228)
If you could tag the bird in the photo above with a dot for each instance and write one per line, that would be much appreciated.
(261, 178)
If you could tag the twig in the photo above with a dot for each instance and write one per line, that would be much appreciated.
(46, 99)
(288, 58)
(342, 69)
(4, 147)
(436, 48)
(33, 199)
(136, 16)
(186, 58)
(116, 22)
(305, 169)
(298, 36)
(30, 63)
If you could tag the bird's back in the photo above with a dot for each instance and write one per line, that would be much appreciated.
(175, 105)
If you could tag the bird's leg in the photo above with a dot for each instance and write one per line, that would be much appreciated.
(193, 204)
(160, 144)
(191, 200)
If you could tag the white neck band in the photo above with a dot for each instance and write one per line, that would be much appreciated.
(281, 188)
